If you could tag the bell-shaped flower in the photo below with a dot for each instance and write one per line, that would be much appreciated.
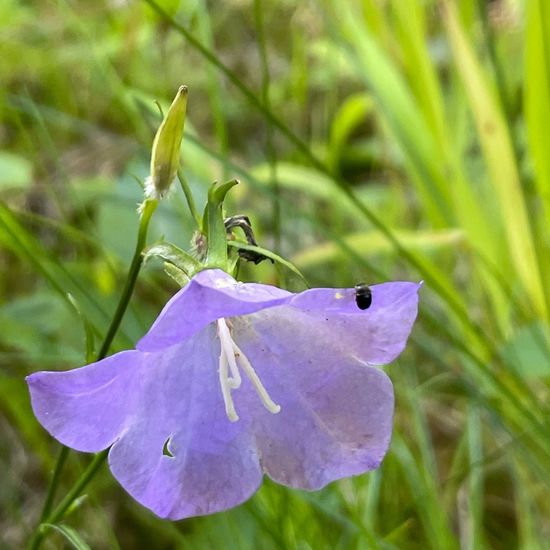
(234, 381)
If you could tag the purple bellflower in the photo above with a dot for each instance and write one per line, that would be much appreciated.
(233, 381)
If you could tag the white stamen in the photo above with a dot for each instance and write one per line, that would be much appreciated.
(229, 355)
(226, 389)
(226, 343)
(268, 403)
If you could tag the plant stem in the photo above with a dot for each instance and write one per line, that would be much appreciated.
(270, 146)
(70, 497)
(62, 457)
(147, 209)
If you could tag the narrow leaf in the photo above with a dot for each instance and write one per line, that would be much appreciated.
(72, 536)
(268, 254)
(499, 156)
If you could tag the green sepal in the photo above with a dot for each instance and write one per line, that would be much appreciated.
(241, 245)
(174, 256)
(176, 274)
(215, 227)
(232, 261)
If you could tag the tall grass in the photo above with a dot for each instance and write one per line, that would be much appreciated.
(374, 140)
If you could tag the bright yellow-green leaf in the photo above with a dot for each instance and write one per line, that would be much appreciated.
(499, 156)
(370, 243)
(537, 92)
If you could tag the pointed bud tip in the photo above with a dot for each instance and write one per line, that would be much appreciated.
(165, 154)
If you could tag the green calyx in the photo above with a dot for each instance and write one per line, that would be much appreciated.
(214, 245)
(210, 247)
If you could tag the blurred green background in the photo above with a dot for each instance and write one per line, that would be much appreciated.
(374, 140)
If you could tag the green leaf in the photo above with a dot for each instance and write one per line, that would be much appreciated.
(527, 351)
(15, 237)
(410, 24)
(537, 91)
(369, 243)
(399, 109)
(499, 156)
(268, 254)
(72, 536)
(15, 172)
(353, 112)
(411, 106)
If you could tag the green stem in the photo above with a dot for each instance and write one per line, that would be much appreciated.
(63, 454)
(148, 207)
(70, 497)
(79, 486)
(270, 146)
(189, 198)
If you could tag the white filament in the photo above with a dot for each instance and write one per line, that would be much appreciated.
(268, 403)
(231, 356)
(226, 389)
(227, 351)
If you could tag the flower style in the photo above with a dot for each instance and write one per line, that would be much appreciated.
(235, 380)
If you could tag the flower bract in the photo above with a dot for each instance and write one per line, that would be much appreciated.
(234, 381)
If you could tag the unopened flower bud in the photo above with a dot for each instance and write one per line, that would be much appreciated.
(165, 155)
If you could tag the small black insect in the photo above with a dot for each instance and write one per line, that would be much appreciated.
(363, 296)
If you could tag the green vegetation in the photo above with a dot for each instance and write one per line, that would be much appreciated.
(374, 140)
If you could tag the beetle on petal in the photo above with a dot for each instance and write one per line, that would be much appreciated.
(234, 381)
